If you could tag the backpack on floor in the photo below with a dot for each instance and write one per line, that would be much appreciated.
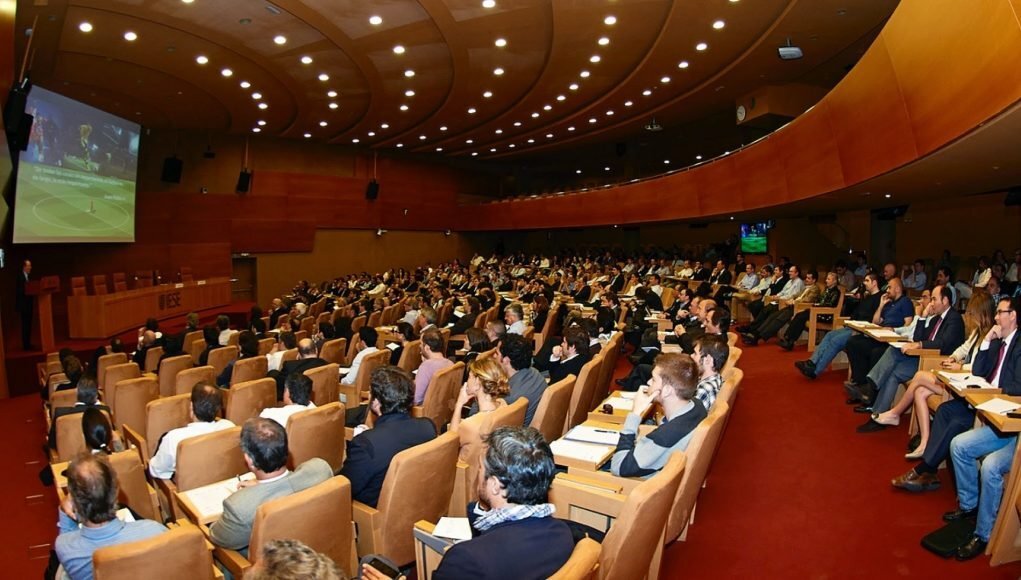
(945, 541)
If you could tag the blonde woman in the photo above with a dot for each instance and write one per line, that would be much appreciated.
(487, 385)
(978, 319)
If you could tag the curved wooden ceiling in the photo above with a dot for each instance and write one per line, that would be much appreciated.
(521, 77)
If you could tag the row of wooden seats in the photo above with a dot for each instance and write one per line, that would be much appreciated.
(143, 279)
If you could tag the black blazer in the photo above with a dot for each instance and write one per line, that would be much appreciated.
(1010, 372)
(584, 294)
(22, 301)
(461, 325)
(560, 369)
(528, 548)
(949, 335)
(369, 454)
(294, 366)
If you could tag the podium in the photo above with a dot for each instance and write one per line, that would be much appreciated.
(43, 291)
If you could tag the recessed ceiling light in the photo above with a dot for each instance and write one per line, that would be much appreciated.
(469, 141)
(245, 84)
(263, 106)
(497, 71)
(665, 80)
(547, 107)
(399, 145)
(324, 77)
(571, 128)
(719, 24)
(256, 96)
(371, 133)
(535, 115)
(187, 1)
(333, 105)
(610, 20)
(308, 135)
(595, 58)
(573, 86)
(628, 103)
(609, 113)
(261, 123)
(487, 94)
(682, 64)
(592, 120)
(501, 42)
(531, 140)
(323, 123)
(604, 41)
(666, 162)
(409, 93)
(356, 140)
(409, 73)
(488, 3)
(201, 59)
(227, 72)
(375, 20)
(280, 39)
(646, 93)
(584, 74)
(511, 146)
(517, 123)
(404, 107)
(256, 130)
(549, 135)
(85, 26)
(475, 153)
(130, 36)
(701, 46)
(499, 131)
(331, 94)
(421, 137)
(443, 128)
(398, 49)
(492, 150)
(888, 196)
(306, 59)
(698, 157)
(561, 97)
(438, 149)
(384, 126)
(471, 110)
(578, 171)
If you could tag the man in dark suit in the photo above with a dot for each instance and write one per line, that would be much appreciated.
(944, 330)
(370, 452)
(24, 304)
(616, 282)
(515, 533)
(570, 356)
(307, 359)
(999, 362)
(88, 396)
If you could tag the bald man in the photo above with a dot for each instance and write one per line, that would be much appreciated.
(308, 358)
(895, 310)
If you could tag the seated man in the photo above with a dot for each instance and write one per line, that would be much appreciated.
(72, 368)
(774, 316)
(88, 397)
(863, 352)
(367, 338)
(570, 356)
(673, 386)
(297, 398)
(206, 403)
(514, 316)
(515, 533)
(515, 356)
(285, 341)
(835, 340)
(88, 516)
(433, 361)
(264, 444)
(308, 358)
(711, 353)
(369, 453)
(799, 321)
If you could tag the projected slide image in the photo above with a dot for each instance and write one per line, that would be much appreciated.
(754, 238)
(76, 180)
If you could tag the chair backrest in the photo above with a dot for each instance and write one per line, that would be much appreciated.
(234, 339)
(418, 486)
(152, 358)
(334, 351)
(178, 553)
(731, 384)
(507, 416)
(249, 398)
(65, 398)
(668, 296)
(266, 345)
(411, 356)
(551, 413)
(308, 325)
(99, 284)
(168, 371)
(317, 432)
(134, 488)
(637, 531)
(610, 353)
(441, 394)
(529, 334)
(209, 458)
(319, 516)
(198, 346)
(443, 316)
(325, 383)
(735, 355)
(584, 389)
(105, 362)
(113, 375)
(120, 282)
(188, 378)
(369, 364)
(249, 369)
(71, 439)
(731, 339)
(445, 335)
(165, 414)
(699, 452)
(374, 319)
(219, 357)
(132, 395)
(583, 561)
(78, 286)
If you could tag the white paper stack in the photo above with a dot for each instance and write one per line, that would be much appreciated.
(456, 529)
(578, 450)
(593, 435)
(997, 405)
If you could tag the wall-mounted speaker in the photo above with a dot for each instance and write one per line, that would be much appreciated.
(172, 167)
(890, 213)
(244, 181)
(372, 190)
(1013, 197)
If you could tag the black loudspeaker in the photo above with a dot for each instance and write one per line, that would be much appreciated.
(1013, 197)
(244, 181)
(14, 110)
(890, 213)
(172, 167)
(372, 190)
(23, 132)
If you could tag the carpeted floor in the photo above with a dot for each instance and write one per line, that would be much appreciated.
(794, 491)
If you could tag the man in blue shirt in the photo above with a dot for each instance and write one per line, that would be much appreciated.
(863, 352)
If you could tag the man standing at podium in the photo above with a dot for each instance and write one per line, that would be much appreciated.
(24, 304)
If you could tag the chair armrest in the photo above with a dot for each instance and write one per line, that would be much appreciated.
(459, 337)
(133, 438)
(168, 489)
(821, 310)
(429, 549)
(838, 322)
(366, 520)
(461, 494)
(601, 480)
(573, 500)
(349, 395)
(802, 306)
(418, 411)
(232, 561)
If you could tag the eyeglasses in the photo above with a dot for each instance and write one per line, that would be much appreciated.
(1007, 311)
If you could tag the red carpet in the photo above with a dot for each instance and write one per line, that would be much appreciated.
(794, 491)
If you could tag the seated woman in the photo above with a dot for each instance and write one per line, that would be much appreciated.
(540, 312)
(100, 436)
(249, 346)
(488, 385)
(405, 334)
(212, 337)
(978, 319)
(478, 343)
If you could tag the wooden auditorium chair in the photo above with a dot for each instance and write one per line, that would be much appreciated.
(325, 383)
(815, 324)
(584, 390)
(471, 436)
(289, 355)
(583, 563)
(411, 356)
(161, 416)
(152, 359)
(317, 432)
(219, 357)
(202, 460)
(234, 339)
(181, 552)
(319, 517)
(551, 413)
(120, 282)
(135, 491)
(198, 346)
(78, 286)
(188, 378)
(247, 399)
(440, 396)
(71, 439)
(65, 398)
(266, 345)
(168, 370)
(99, 284)
(333, 351)
(130, 398)
(249, 369)
(351, 395)
(106, 361)
(610, 353)
(113, 375)
(374, 319)
(308, 325)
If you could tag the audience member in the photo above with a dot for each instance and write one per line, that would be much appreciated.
(293, 560)
(87, 398)
(285, 342)
(433, 361)
(308, 359)
(206, 403)
(835, 340)
(568, 357)
(487, 388)
(297, 398)
(710, 355)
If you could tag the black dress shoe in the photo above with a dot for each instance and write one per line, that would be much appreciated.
(960, 514)
(870, 426)
(749, 339)
(806, 368)
(973, 548)
(785, 344)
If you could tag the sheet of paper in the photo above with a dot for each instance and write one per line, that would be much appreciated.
(626, 394)
(966, 380)
(392, 345)
(578, 450)
(457, 529)
(124, 515)
(621, 403)
(885, 333)
(344, 370)
(1000, 406)
(593, 435)
(899, 344)
(208, 499)
(458, 313)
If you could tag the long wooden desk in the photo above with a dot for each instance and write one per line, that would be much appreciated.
(109, 314)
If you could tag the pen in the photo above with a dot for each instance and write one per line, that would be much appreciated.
(605, 431)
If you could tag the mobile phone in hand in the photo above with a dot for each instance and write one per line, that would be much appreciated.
(384, 568)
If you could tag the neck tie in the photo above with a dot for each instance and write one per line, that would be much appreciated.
(994, 377)
(932, 335)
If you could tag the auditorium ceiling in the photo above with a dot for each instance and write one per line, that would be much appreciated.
(508, 81)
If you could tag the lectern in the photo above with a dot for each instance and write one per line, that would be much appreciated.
(43, 291)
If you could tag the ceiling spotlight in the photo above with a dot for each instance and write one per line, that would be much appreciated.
(356, 140)
(592, 120)
(469, 141)
(531, 140)
(698, 158)
(308, 135)
(517, 123)
(371, 133)
(256, 130)
(261, 123)
(571, 128)
(333, 105)
(421, 137)
(578, 171)
(130, 36)
(547, 107)
(497, 71)
(719, 24)
(409, 73)
(584, 74)
(610, 20)
(646, 92)
(595, 58)
(331, 94)
(887, 196)
(256, 96)
(475, 153)
(471, 110)
(609, 113)
(438, 149)
(409, 93)
(384, 126)
(245, 84)
(398, 49)
(604, 41)
(701, 46)
(85, 26)
(511, 146)
(201, 59)
(227, 72)
(399, 145)
(628, 103)
(573, 86)
(187, 1)
(499, 131)
(375, 20)
(549, 135)
(665, 80)
(324, 77)
(489, 3)
(323, 123)
(404, 107)
(443, 128)
(280, 39)
(263, 106)
(535, 115)
(500, 42)
(487, 94)
(561, 97)
(492, 150)
(682, 64)
(666, 162)
(306, 59)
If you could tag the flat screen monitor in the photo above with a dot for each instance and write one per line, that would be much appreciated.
(755, 238)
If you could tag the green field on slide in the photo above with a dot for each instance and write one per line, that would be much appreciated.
(56, 204)
(754, 245)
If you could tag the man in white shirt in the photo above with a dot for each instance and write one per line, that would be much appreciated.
(427, 318)
(367, 338)
(513, 315)
(285, 342)
(1012, 271)
(297, 398)
(206, 402)
(913, 277)
(654, 284)
(223, 325)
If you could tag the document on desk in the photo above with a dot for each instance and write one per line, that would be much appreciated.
(961, 381)
(899, 344)
(580, 451)
(998, 406)
(456, 529)
(593, 435)
(885, 333)
(208, 499)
